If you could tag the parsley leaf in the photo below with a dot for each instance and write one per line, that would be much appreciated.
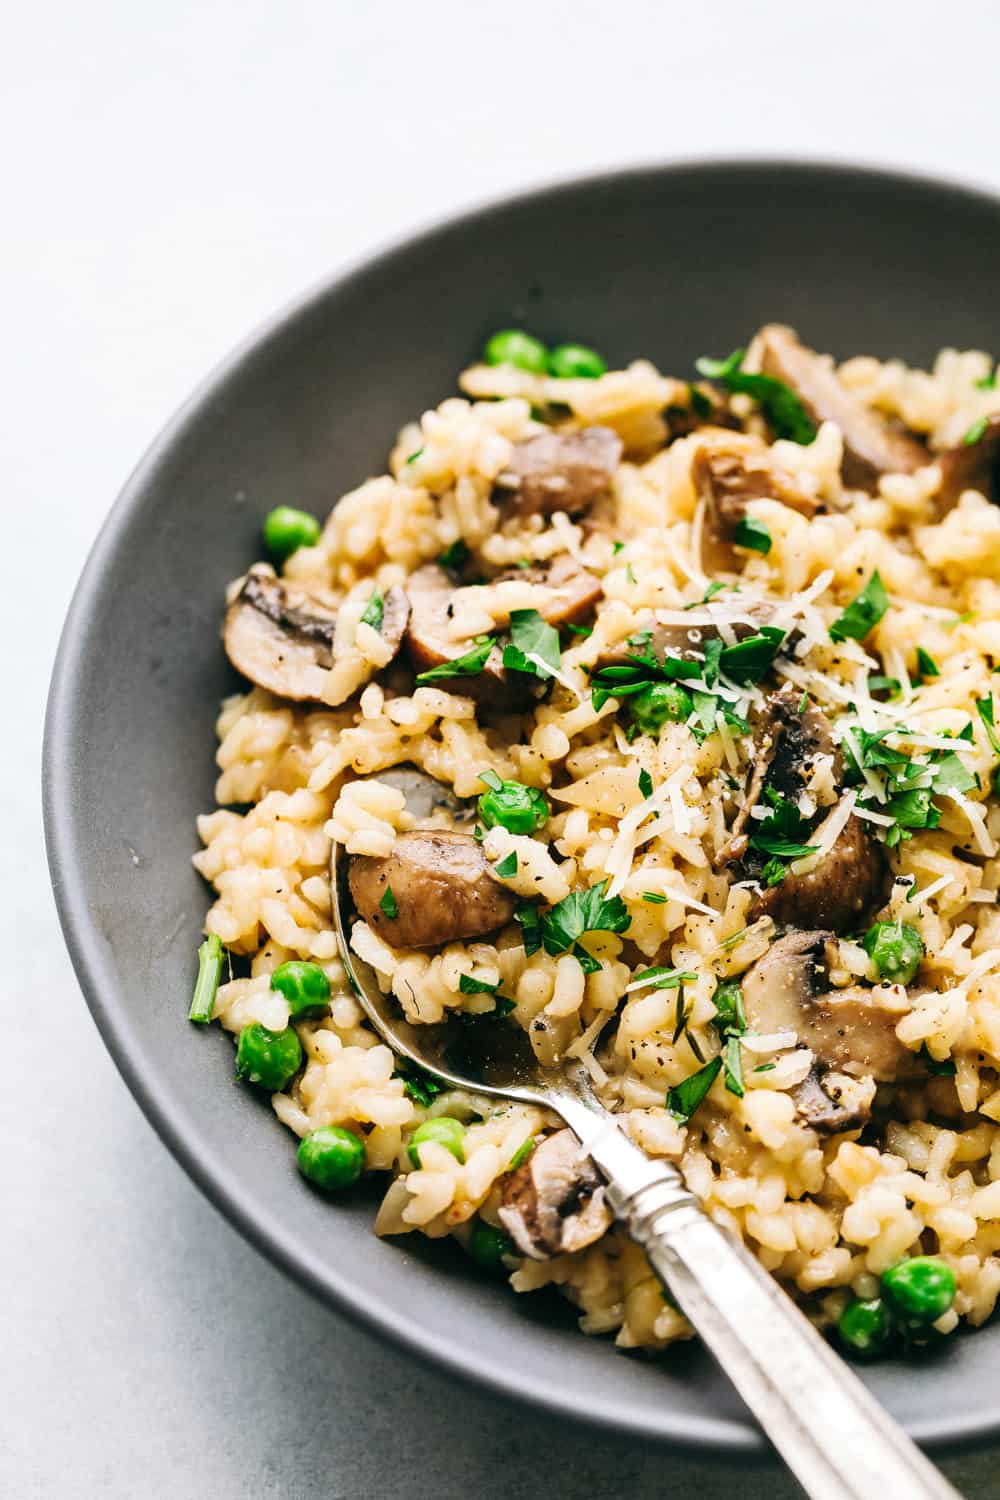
(753, 535)
(730, 1014)
(683, 1100)
(507, 866)
(580, 912)
(455, 556)
(388, 903)
(655, 898)
(661, 978)
(468, 665)
(863, 613)
(890, 685)
(467, 985)
(750, 659)
(988, 382)
(713, 588)
(926, 665)
(373, 610)
(534, 644)
(985, 709)
(414, 456)
(976, 432)
(700, 403)
(780, 834)
(529, 920)
(950, 775)
(734, 1067)
(645, 783)
(778, 401)
(910, 810)
(418, 1085)
(521, 1154)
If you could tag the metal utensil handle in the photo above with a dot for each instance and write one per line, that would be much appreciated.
(836, 1439)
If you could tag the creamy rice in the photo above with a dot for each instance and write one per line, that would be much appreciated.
(825, 1212)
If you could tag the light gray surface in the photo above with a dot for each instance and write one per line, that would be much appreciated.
(171, 175)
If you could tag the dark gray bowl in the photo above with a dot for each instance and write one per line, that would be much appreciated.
(668, 262)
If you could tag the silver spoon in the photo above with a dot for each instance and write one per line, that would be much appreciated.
(836, 1439)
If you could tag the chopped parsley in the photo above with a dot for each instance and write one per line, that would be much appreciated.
(645, 783)
(683, 1100)
(578, 913)
(950, 775)
(970, 614)
(751, 659)
(388, 903)
(521, 1154)
(629, 573)
(863, 613)
(890, 685)
(468, 665)
(779, 403)
(753, 535)
(976, 432)
(733, 1063)
(528, 918)
(661, 978)
(617, 547)
(730, 1015)
(534, 644)
(780, 834)
(655, 898)
(715, 587)
(909, 785)
(374, 610)
(581, 630)
(926, 665)
(507, 866)
(945, 1069)
(701, 405)
(467, 985)
(988, 382)
(414, 456)
(418, 1085)
(455, 556)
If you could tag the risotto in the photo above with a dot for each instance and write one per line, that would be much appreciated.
(711, 662)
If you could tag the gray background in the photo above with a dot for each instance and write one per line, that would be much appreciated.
(171, 174)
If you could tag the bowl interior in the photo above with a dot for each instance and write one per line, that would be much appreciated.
(667, 263)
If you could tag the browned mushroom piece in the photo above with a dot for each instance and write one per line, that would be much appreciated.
(972, 466)
(554, 1203)
(559, 471)
(847, 885)
(850, 1031)
(443, 890)
(833, 1102)
(434, 599)
(872, 446)
(789, 739)
(727, 472)
(575, 592)
(280, 634)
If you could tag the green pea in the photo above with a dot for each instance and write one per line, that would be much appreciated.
(269, 1059)
(286, 529)
(331, 1158)
(659, 703)
(443, 1131)
(512, 346)
(919, 1290)
(518, 808)
(865, 1327)
(488, 1246)
(895, 949)
(304, 986)
(576, 361)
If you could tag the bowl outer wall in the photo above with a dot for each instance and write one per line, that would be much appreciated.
(667, 263)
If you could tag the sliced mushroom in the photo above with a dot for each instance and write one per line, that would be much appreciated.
(872, 446)
(842, 891)
(572, 593)
(788, 742)
(728, 470)
(553, 1204)
(280, 634)
(851, 1030)
(443, 890)
(972, 466)
(833, 1102)
(559, 471)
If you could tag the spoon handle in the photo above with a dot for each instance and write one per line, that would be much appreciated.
(833, 1435)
